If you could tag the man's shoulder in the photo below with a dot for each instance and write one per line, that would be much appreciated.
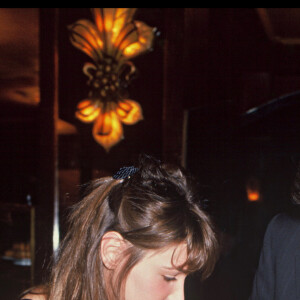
(285, 221)
(283, 228)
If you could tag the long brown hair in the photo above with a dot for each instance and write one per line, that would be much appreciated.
(154, 208)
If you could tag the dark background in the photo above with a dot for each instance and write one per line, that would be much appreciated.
(219, 94)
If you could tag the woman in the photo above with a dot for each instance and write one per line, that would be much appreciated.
(135, 236)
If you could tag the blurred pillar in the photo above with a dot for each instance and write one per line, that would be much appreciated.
(47, 199)
(186, 60)
(173, 85)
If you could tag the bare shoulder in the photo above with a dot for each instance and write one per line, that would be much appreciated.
(34, 297)
(35, 293)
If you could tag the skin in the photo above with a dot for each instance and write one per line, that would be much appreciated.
(34, 297)
(155, 277)
(37, 294)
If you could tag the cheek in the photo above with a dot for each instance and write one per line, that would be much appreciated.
(146, 286)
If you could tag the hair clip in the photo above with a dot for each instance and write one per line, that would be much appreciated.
(125, 172)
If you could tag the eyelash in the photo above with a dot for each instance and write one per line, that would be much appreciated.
(168, 278)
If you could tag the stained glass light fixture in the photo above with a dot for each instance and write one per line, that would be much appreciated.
(111, 41)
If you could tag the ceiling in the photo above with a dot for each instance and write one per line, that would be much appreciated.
(19, 30)
(19, 34)
(19, 68)
(281, 24)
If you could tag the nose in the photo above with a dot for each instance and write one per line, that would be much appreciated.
(178, 292)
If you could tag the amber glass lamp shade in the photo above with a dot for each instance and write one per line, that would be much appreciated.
(110, 42)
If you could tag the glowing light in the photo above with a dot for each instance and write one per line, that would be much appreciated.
(129, 112)
(107, 130)
(132, 49)
(87, 111)
(253, 196)
(253, 189)
(110, 41)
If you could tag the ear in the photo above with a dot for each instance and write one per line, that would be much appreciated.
(112, 245)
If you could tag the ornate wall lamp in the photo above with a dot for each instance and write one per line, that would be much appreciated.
(110, 42)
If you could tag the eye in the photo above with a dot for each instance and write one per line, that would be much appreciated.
(169, 278)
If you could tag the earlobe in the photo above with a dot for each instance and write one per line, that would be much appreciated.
(112, 245)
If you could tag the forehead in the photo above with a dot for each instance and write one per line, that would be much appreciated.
(170, 256)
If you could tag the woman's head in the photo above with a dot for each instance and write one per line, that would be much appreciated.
(135, 235)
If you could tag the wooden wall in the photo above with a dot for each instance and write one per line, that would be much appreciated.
(215, 61)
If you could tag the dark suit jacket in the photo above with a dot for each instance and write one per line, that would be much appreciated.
(278, 273)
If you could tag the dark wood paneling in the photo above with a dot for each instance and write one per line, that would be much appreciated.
(48, 147)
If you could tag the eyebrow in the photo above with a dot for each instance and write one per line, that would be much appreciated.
(172, 269)
(169, 268)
